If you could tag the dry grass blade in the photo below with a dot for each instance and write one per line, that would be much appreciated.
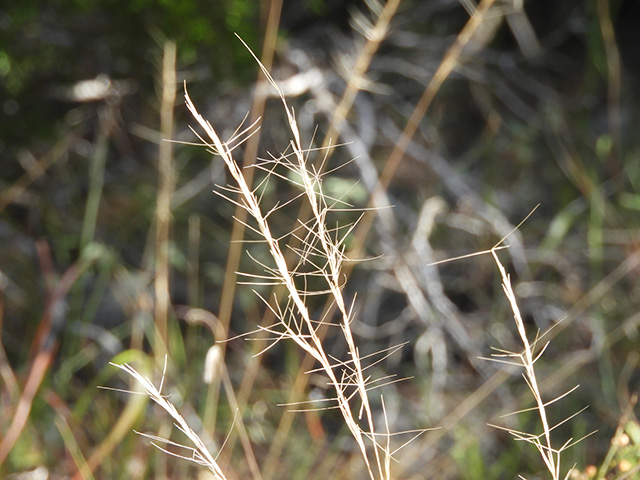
(302, 328)
(526, 359)
(320, 258)
(199, 452)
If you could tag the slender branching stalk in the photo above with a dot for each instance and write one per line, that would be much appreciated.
(550, 454)
(199, 452)
(323, 251)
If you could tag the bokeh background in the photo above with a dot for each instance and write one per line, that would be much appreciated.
(113, 239)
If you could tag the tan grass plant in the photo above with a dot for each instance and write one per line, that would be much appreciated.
(295, 319)
(321, 258)
(322, 252)
(550, 453)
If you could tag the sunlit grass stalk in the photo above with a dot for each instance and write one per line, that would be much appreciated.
(199, 452)
(550, 455)
(296, 320)
(528, 361)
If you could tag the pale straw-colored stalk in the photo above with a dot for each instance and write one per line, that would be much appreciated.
(527, 359)
(320, 256)
(199, 452)
(295, 320)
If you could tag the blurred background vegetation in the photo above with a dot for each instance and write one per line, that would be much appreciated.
(538, 107)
